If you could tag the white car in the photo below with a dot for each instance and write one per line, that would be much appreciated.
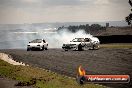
(40, 44)
(82, 44)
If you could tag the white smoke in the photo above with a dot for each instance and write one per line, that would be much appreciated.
(20, 39)
(66, 36)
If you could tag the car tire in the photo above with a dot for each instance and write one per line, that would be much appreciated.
(46, 48)
(66, 49)
(95, 47)
(42, 48)
(28, 49)
(79, 47)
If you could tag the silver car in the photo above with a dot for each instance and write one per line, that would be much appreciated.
(82, 44)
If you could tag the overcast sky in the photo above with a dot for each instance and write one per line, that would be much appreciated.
(37, 11)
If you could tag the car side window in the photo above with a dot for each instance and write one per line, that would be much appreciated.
(87, 40)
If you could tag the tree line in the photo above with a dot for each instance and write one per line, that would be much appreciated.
(87, 28)
(129, 17)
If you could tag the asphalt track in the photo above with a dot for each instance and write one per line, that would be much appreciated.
(102, 61)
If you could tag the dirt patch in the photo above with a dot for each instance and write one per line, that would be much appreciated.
(8, 83)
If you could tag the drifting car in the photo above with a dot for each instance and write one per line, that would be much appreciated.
(82, 44)
(40, 44)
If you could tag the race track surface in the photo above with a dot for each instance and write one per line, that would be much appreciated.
(102, 61)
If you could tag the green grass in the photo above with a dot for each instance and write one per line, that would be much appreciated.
(127, 45)
(39, 78)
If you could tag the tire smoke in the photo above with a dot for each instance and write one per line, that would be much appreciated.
(20, 39)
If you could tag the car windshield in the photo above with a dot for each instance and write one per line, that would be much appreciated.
(36, 41)
(78, 40)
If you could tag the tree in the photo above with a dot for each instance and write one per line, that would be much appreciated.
(130, 2)
(95, 27)
(87, 28)
(129, 18)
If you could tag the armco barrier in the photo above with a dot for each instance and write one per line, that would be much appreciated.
(115, 39)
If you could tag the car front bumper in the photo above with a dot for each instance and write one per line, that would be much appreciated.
(69, 46)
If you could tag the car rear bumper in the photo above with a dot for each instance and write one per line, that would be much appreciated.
(34, 47)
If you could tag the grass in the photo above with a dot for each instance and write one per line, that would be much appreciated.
(38, 78)
(116, 45)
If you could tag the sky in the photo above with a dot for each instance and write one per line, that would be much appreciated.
(43, 11)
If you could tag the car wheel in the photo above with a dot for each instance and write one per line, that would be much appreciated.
(46, 48)
(66, 49)
(28, 49)
(79, 47)
(95, 47)
(42, 48)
